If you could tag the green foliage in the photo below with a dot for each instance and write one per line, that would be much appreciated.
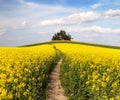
(72, 42)
(61, 36)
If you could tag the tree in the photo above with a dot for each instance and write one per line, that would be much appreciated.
(61, 36)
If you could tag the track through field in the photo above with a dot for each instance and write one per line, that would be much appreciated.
(55, 90)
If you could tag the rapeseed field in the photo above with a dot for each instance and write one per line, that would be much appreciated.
(24, 71)
(87, 72)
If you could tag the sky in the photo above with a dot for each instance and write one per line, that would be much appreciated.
(32, 21)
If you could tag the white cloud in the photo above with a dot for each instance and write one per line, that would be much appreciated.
(112, 14)
(73, 19)
(83, 17)
(45, 15)
(52, 22)
(94, 6)
(105, 30)
(90, 31)
(94, 29)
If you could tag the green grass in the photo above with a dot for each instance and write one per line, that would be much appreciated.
(73, 42)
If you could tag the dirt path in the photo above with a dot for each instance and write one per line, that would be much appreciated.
(55, 90)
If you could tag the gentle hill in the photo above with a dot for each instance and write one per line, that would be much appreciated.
(73, 42)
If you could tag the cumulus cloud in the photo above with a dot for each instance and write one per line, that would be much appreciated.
(90, 31)
(94, 29)
(98, 29)
(74, 19)
(83, 17)
(41, 12)
(112, 14)
(52, 22)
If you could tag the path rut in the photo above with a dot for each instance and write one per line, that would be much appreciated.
(55, 90)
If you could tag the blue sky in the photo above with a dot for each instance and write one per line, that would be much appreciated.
(32, 21)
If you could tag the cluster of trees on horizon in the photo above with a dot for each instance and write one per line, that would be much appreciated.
(62, 35)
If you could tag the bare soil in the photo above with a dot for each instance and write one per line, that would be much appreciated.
(55, 90)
